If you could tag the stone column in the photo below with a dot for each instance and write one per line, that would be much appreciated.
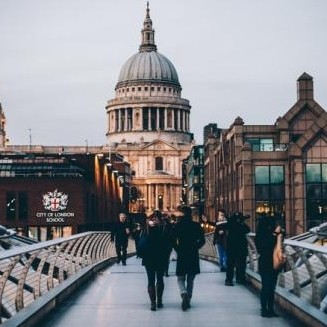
(119, 120)
(179, 120)
(158, 118)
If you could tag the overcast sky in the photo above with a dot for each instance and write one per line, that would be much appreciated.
(60, 60)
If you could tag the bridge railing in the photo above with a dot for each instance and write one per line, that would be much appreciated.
(27, 273)
(303, 282)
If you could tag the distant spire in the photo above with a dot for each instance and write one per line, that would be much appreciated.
(148, 43)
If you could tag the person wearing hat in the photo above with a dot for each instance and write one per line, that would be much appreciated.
(189, 238)
(237, 248)
(153, 247)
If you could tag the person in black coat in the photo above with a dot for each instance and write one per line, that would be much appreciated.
(189, 238)
(237, 248)
(265, 241)
(153, 248)
(119, 235)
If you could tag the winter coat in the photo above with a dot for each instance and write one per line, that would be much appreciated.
(265, 242)
(119, 234)
(237, 244)
(154, 246)
(189, 238)
(220, 234)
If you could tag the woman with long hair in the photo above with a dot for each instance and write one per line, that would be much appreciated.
(153, 248)
(265, 240)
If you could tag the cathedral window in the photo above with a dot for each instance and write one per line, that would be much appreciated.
(158, 163)
(146, 88)
(159, 88)
(145, 119)
(139, 88)
(169, 119)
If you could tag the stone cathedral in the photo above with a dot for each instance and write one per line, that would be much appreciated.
(149, 124)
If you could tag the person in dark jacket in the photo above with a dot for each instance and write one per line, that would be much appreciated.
(237, 249)
(189, 238)
(265, 240)
(119, 235)
(153, 248)
(220, 239)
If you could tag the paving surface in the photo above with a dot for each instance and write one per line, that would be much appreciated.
(117, 297)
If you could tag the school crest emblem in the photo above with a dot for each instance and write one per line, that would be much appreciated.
(55, 201)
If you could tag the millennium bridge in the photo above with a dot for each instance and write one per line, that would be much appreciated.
(75, 281)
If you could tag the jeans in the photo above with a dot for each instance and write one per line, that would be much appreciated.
(222, 256)
(185, 284)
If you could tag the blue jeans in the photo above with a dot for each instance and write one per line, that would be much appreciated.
(185, 284)
(222, 256)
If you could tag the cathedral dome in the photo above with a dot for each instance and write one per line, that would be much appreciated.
(148, 66)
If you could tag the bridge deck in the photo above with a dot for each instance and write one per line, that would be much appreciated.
(117, 297)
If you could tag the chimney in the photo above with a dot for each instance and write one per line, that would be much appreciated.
(305, 87)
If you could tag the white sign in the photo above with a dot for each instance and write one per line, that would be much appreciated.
(54, 202)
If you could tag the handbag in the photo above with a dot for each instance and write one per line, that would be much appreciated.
(279, 258)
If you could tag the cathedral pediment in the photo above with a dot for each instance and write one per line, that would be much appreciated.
(159, 145)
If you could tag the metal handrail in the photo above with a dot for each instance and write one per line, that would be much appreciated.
(29, 272)
(304, 275)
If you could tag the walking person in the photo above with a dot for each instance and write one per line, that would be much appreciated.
(189, 238)
(119, 235)
(153, 247)
(220, 239)
(265, 241)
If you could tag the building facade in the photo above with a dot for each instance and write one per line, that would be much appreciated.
(279, 170)
(193, 181)
(48, 194)
(148, 123)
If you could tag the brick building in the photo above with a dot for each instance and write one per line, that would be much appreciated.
(279, 169)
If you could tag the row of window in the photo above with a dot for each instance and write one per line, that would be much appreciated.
(146, 88)
(270, 191)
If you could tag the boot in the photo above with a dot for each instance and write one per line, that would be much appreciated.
(185, 302)
(271, 312)
(152, 296)
(160, 289)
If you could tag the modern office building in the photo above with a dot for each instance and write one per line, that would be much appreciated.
(279, 169)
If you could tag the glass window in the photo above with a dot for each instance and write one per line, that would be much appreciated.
(159, 163)
(277, 192)
(324, 173)
(276, 174)
(11, 205)
(266, 145)
(22, 205)
(314, 191)
(313, 173)
(262, 192)
(262, 174)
